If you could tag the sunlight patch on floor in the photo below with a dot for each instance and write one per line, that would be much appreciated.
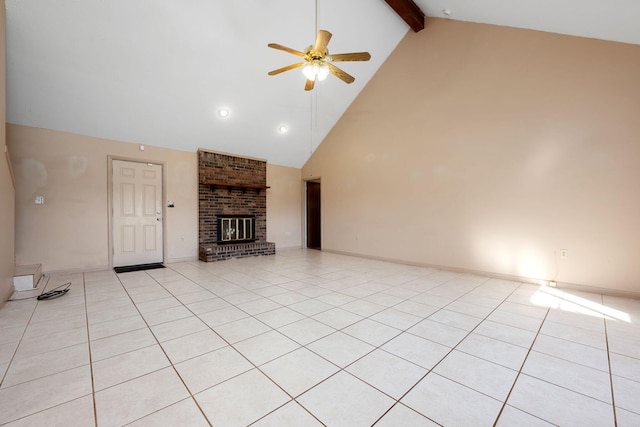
(561, 300)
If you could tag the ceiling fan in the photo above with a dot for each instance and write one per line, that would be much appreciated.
(317, 61)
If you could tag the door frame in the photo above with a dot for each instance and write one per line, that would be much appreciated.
(163, 168)
(305, 211)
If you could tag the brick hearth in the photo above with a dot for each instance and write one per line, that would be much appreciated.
(240, 250)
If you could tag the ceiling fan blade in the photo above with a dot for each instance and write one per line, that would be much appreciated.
(322, 41)
(347, 78)
(355, 56)
(286, 49)
(309, 85)
(287, 68)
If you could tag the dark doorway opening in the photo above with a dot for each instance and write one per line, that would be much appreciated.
(314, 237)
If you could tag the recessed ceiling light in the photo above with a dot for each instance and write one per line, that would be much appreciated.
(223, 112)
(283, 129)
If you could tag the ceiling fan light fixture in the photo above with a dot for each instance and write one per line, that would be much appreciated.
(307, 70)
(323, 72)
(315, 70)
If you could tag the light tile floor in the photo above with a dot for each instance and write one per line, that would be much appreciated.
(307, 338)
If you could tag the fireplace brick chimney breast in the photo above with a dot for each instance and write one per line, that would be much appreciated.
(240, 189)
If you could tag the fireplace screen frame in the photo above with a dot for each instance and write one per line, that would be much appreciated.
(236, 228)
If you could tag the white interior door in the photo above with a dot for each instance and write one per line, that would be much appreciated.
(137, 213)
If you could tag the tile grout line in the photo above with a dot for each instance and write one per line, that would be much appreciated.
(305, 346)
(570, 361)
(369, 317)
(292, 398)
(35, 379)
(93, 386)
(515, 381)
(543, 322)
(429, 371)
(164, 352)
(230, 345)
(606, 339)
(379, 347)
(246, 285)
(24, 332)
(2, 379)
(467, 335)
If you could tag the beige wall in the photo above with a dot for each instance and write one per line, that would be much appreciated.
(488, 149)
(71, 230)
(7, 195)
(284, 206)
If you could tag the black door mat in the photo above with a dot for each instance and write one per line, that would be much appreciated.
(139, 267)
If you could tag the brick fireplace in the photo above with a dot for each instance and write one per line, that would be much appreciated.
(231, 187)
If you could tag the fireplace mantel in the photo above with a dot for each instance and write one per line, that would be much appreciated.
(230, 185)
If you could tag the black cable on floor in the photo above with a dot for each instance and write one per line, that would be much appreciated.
(53, 293)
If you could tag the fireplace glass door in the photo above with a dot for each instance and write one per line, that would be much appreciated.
(236, 228)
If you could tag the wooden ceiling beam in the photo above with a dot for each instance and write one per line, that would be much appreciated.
(410, 12)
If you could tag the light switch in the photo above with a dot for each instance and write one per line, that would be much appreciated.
(39, 200)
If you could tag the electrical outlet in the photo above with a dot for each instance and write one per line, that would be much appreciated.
(564, 253)
(552, 284)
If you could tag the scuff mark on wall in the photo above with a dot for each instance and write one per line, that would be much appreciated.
(34, 172)
(77, 166)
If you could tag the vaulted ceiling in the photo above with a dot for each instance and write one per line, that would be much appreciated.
(157, 72)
